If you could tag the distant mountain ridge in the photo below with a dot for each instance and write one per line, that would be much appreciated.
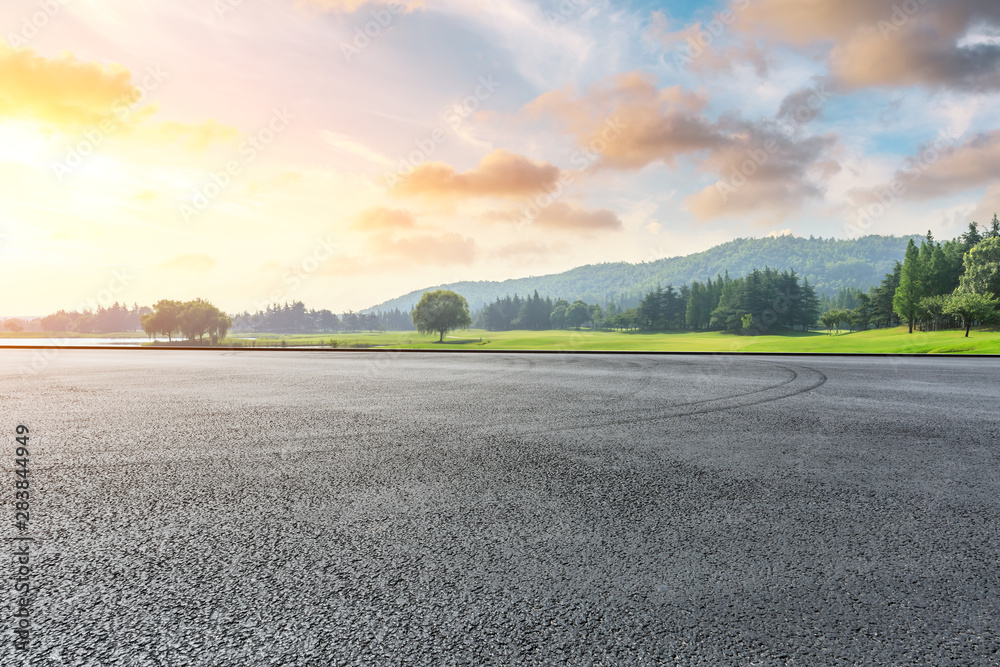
(828, 265)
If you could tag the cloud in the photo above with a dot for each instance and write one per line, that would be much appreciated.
(434, 249)
(63, 92)
(988, 207)
(523, 251)
(697, 47)
(940, 169)
(560, 216)
(763, 165)
(344, 143)
(804, 105)
(873, 43)
(351, 6)
(381, 218)
(764, 170)
(631, 123)
(194, 136)
(568, 217)
(189, 263)
(499, 174)
(69, 95)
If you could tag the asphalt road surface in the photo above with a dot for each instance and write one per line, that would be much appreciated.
(280, 508)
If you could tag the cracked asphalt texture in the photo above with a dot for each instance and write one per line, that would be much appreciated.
(314, 508)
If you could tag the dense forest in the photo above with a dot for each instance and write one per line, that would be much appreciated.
(117, 317)
(762, 301)
(828, 264)
(936, 286)
(296, 318)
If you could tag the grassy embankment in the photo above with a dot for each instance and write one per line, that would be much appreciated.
(984, 340)
(889, 341)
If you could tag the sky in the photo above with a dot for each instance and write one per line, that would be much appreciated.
(343, 152)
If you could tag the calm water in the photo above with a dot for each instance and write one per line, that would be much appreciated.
(73, 342)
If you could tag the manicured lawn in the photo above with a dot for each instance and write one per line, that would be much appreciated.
(891, 341)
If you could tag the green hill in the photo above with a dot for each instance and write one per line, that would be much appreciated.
(828, 264)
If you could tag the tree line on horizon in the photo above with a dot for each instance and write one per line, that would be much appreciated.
(774, 299)
(296, 318)
(116, 317)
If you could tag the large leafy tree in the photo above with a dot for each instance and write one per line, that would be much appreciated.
(194, 319)
(970, 307)
(578, 314)
(906, 302)
(982, 268)
(165, 318)
(441, 311)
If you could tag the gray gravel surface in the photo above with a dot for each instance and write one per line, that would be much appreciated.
(270, 508)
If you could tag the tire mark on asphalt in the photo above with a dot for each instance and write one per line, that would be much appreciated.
(811, 379)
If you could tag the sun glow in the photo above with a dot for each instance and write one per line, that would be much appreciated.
(24, 143)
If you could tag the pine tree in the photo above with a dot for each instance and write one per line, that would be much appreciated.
(907, 299)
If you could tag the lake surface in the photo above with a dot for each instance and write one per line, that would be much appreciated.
(72, 342)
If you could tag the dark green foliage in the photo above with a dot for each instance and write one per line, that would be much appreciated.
(578, 314)
(911, 286)
(916, 291)
(662, 309)
(775, 300)
(838, 319)
(508, 313)
(971, 308)
(982, 268)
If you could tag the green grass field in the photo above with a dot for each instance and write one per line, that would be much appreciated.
(886, 341)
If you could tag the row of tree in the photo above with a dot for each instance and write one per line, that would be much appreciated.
(535, 313)
(117, 317)
(296, 318)
(774, 299)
